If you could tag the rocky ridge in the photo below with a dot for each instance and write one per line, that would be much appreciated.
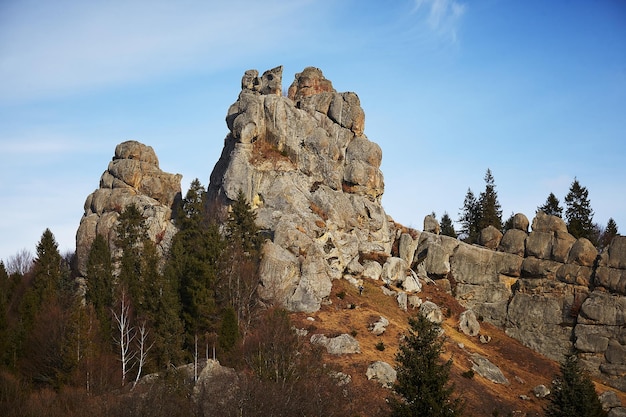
(312, 177)
(133, 177)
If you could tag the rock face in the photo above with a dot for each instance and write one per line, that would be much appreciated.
(312, 177)
(545, 288)
(132, 177)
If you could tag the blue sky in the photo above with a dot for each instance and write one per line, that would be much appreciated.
(533, 90)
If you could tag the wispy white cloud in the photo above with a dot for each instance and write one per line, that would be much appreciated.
(47, 48)
(442, 16)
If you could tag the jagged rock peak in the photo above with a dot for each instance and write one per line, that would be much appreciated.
(132, 177)
(313, 178)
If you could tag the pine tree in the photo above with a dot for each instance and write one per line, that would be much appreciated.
(491, 212)
(4, 302)
(447, 229)
(47, 275)
(238, 266)
(470, 218)
(552, 206)
(193, 262)
(610, 231)
(508, 224)
(160, 309)
(579, 215)
(100, 282)
(422, 379)
(573, 393)
(241, 228)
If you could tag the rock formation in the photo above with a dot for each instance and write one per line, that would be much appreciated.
(132, 177)
(547, 289)
(313, 178)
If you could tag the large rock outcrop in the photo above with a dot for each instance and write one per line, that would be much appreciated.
(546, 288)
(313, 179)
(132, 177)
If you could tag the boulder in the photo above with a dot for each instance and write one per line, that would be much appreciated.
(520, 222)
(431, 225)
(582, 253)
(483, 367)
(468, 323)
(340, 345)
(541, 391)
(514, 242)
(490, 237)
(547, 223)
(431, 311)
(394, 270)
(609, 399)
(379, 326)
(382, 372)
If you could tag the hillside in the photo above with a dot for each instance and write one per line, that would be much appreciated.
(523, 367)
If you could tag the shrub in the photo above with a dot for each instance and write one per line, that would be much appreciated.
(380, 346)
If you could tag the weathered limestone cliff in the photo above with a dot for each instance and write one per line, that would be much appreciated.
(313, 178)
(132, 177)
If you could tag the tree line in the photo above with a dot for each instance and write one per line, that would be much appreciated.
(485, 210)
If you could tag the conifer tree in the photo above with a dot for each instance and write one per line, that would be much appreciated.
(46, 281)
(422, 378)
(447, 228)
(100, 282)
(160, 309)
(578, 214)
(470, 218)
(241, 228)
(193, 262)
(610, 231)
(552, 206)
(573, 393)
(491, 212)
(238, 267)
(4, 302)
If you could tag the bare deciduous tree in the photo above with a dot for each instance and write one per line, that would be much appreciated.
(144, 348)
(126, 335)
(20, 263)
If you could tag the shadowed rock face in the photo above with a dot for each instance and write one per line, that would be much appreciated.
(132, 177)
(313, 178)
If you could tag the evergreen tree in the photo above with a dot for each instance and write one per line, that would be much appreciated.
(131, 234)
(4, 303)
(470, 218)
(491, 212)
(422, 379)
(192, 262)
(238, 266)
(100, 282)
(447, 228)
(573, 393)
(46, 282)
(160, 309)
(153, 295)
(552, 206)
(241, 228)
(578, 214)
(610, 231)
(508, 224)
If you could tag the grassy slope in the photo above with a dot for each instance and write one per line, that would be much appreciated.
(523, 367)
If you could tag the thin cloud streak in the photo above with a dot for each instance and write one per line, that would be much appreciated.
(444, 16)
(52, 49)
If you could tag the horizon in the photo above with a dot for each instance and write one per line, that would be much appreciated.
(534, 92)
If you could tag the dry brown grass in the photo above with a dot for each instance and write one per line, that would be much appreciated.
(523, 367)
